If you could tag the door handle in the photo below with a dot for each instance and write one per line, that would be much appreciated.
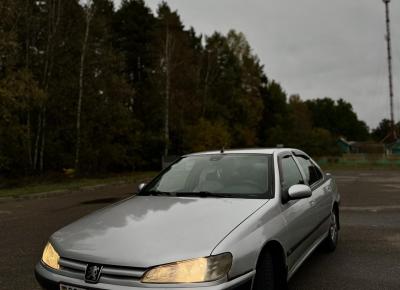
(312, 203)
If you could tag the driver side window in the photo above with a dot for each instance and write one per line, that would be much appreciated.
(313, 174)
(290, 173)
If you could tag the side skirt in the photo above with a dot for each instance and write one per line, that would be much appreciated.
(301, 260)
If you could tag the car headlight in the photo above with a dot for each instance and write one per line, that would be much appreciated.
(50, 257)
(191, 271)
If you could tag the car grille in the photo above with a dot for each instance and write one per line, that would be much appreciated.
(116, 275)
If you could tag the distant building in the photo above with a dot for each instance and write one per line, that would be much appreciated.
(393, 148)
(344, 145)
(361, 147)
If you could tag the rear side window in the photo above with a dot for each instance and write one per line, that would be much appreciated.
(313, 174)
(290, 174)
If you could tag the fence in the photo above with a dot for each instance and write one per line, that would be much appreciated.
(361, 160)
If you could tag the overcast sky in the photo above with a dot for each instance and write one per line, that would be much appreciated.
(314, 48)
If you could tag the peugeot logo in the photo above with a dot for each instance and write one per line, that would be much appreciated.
(92, 274)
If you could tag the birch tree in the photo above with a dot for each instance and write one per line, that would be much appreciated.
(89, 10)
(171, 59)
(53, 10)
(167, 58)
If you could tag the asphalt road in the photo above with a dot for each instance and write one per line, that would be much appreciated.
(368, 255)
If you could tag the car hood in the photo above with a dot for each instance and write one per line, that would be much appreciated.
(146, 231)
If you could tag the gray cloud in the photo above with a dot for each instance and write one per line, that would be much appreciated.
(315, 48)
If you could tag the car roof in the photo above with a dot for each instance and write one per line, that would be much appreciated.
(245, 151)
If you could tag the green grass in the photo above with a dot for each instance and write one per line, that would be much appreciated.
(359, 162)
(358, 166)
(32, 186)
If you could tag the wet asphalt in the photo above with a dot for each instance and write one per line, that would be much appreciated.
(367, 257)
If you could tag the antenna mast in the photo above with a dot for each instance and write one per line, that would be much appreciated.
(392, 133)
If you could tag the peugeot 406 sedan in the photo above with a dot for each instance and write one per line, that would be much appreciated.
(237, 219)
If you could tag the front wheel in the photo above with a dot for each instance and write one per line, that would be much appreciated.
(269, 275)
(333, 234)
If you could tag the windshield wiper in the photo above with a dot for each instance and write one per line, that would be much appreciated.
(203, 194)
(158, 193)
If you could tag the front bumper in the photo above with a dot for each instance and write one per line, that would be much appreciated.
(51, 281)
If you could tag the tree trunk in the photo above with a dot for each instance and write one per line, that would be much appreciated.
(89, 13)
(53, 22)
(38, 133)
(167, 90)
(28, 133)
(43, 140)
(205, 93)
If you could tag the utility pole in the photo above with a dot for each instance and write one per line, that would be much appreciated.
(392, 133)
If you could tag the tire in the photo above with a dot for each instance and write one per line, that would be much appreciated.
(268, 275)
(331, 240)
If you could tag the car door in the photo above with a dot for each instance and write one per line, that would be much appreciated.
(321, 199)
(297, 213)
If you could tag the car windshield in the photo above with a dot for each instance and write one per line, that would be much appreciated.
(220, 175)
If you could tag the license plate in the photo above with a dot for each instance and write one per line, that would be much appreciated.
(67, 287)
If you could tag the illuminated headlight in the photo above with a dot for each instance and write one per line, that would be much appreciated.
(50, 257)
(191, 271)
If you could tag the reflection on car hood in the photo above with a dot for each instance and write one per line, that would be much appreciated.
(150, 230)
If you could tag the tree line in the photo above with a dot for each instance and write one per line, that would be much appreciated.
(100, 89)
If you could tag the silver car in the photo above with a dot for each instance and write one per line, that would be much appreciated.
(237, 219)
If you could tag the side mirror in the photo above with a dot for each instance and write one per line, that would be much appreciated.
(141, 186)
(299, 191)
